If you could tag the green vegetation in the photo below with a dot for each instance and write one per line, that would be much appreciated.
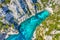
(51, 23)
(39, 34)
(1, 18)
(12, 25)
(38, 6)
(5, 26)
(39, 38)
(52, 27)
(56, 37)
(53, 4)
(44, 2)
(6, 1)
(0, 5)
(1, 24)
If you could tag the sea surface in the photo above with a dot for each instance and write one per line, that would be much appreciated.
(27, 27)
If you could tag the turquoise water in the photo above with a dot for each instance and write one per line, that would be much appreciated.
(28, 26)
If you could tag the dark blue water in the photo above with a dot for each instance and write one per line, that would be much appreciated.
(35, 7)
(34, 1)
(27, 27)
(23, 5)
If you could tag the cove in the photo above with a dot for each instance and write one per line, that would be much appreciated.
(27, 27)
